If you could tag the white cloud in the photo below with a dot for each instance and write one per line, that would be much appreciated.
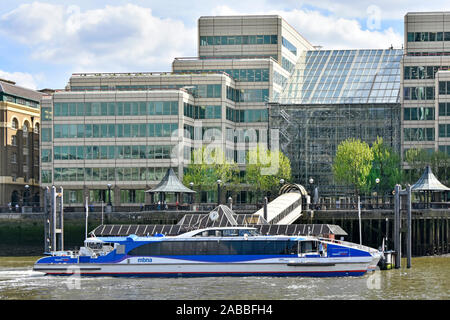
(113, 38)
(21, 79)
(330, 31)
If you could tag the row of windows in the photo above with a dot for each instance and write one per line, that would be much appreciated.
(202, 133)
(444, 87)
(279, 79)
(104, 174)
(287, 65)
(444, 130)
(241, 56)
(111, 130)
(202, 112)
(112, 109)
(244, 75)
(421, 72)
(428, 36)
(251, 115)
(426, 54)
(444, 109)
(418, 93)
(247, 95)
(445, 149)
(288, 45)
(246, 135)
(214, 247)
(419, 113)
(418, 134)
(108, 152)
(237, 40)
(25, 102)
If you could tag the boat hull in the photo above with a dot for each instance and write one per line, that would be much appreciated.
(287, 268)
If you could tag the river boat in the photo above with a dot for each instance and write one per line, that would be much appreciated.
(220, 251)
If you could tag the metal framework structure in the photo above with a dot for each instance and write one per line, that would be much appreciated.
(333, 95)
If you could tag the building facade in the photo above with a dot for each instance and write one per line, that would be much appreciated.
(331, 96)
(127, 129)
(425, 82)
(19, 148)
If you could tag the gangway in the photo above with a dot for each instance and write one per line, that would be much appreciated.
(285, 209)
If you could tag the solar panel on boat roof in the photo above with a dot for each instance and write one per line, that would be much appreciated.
(115, 230)
(132, 229)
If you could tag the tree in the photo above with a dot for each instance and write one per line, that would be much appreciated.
(207, 166)
(265, 168)
(418, 159)
(353, 163)
(386, 166)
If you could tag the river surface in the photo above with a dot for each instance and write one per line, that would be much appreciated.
(429, 278)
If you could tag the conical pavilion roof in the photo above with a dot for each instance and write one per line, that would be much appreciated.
(170, 183)
(428, 182)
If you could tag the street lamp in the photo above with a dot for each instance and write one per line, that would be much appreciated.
(191, 184)
(218, 191)
(26, 196)
(311, 181)
(377, 181)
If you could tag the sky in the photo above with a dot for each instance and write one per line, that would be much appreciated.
(43, 42)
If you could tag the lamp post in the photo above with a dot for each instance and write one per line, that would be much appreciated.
(109, 206)
(26, 196)
(377, 181)
(311, 181)
(191, 184)
(218, 191)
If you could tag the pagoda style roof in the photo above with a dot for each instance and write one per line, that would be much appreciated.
(170, 183)
(428, 182)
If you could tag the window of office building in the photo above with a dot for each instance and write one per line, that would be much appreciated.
(418, 134)
(444, 87)
(444, 131)
(132, 196)
(238, 40)
(420, 113)
(418, 93)
(444, 109)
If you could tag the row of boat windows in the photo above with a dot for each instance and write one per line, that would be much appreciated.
(227, 247)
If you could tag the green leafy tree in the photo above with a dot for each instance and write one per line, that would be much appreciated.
(353, 163)
(386, 166)
(265, 168)
(418, 159)
(207, 166)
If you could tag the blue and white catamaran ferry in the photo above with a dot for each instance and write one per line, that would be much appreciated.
(220, 251)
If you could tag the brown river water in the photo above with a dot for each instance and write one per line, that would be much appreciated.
(429, 278)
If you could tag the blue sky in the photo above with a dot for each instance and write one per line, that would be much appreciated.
(43, 42)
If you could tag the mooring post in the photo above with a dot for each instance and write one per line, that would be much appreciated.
(408, 235)
(397, 244)
(46, 220)
(265, 208)
(53, 222)
(61, 220)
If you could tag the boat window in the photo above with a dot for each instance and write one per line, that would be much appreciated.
(214, 247)
(230, 233)
(249, 232)
(308, 246)
(94, 245)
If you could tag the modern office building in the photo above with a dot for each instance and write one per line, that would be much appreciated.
(333, 95)
(127, 129)
(425, 82)
(19, 147)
